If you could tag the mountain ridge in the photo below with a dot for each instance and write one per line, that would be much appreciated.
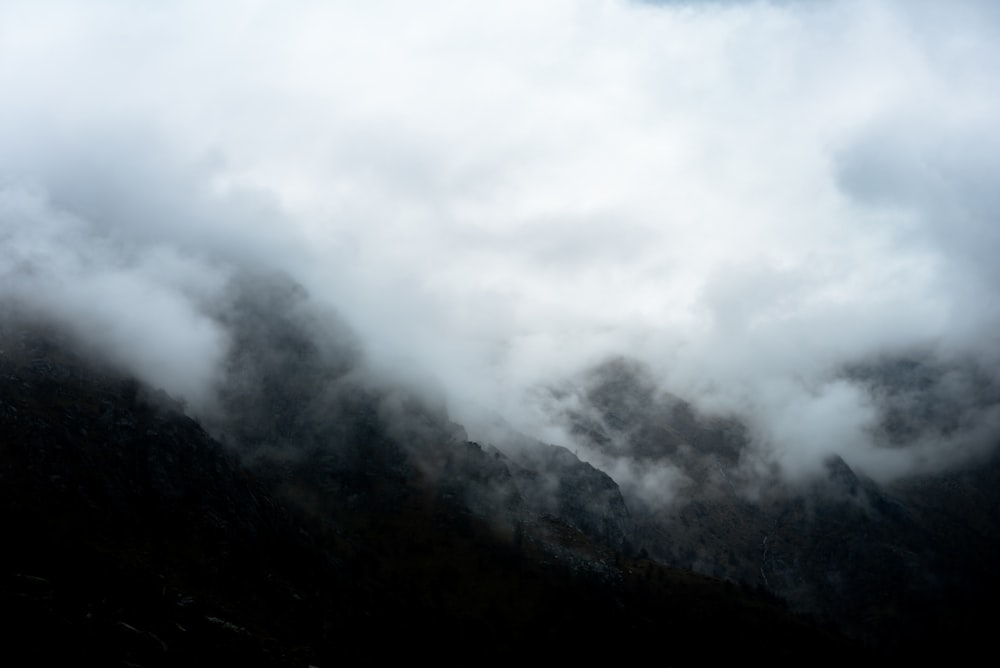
(137, 538)
(321, 460)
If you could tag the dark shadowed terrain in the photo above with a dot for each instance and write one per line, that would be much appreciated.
(328, 516)
(132, 537)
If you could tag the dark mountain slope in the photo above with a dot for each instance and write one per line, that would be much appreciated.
(299, 402)
(133, 538)
(907, 567)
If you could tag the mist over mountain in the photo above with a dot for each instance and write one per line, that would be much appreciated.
(748, 197)
(710, 282)
(134, 537)
(320, 459)
(882, 558)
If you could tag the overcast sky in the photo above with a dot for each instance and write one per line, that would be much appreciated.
(745, 195)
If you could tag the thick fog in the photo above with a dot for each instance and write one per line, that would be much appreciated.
(754, 199)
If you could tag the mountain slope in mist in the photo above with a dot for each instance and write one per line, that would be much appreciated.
(904, 563)
(783, 214)
(691, 490)
(299, 400)
(330, 458)
(134, 537)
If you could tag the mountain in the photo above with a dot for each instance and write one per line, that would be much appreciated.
(905, 567)
(317, 503)
(317, 516)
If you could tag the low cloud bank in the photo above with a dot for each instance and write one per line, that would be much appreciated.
(760, 202)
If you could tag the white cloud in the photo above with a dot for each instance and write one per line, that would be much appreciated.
(740, 193)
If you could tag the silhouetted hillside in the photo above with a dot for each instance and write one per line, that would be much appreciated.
(134, 538)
